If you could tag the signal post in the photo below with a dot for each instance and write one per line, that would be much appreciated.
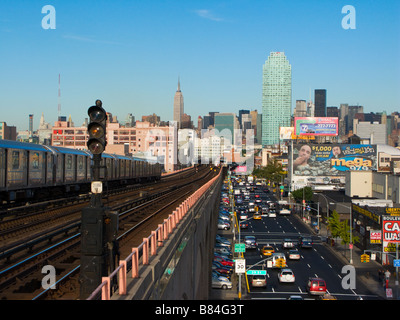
(99, 225)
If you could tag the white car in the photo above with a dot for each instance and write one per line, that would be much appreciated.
(294, 255)
(272, 214)
(222, 225)
(243, 216)
(286, 275)
(288, 244)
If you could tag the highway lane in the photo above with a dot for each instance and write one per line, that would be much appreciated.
(317, 261)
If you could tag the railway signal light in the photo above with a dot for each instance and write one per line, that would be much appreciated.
(97, 128)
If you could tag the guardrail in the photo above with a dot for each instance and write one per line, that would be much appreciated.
(148, 247)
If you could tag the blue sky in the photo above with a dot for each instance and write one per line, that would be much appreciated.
(129, 54)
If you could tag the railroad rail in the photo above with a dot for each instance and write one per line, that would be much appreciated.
(22, 279)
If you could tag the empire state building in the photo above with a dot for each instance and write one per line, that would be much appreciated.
(178, 106)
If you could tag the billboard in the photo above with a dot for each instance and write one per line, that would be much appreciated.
(285, 133)
(316, 126)
(318, 160)
(391, 229)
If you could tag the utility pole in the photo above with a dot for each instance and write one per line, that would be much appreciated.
(99, 225)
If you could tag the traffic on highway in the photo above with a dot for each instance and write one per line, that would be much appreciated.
(281, 257)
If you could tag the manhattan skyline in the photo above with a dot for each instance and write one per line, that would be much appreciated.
(130, 55)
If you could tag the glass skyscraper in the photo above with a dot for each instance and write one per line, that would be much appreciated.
(276, 97)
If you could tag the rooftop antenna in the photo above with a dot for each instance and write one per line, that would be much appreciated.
(59, 96)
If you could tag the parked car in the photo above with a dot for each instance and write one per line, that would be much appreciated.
(222, 269)
(223, 251)
(222, 225)
(221, 283)
(224, 217)
(222, 243)
(224, 262)
(316, 286)
(286, 275)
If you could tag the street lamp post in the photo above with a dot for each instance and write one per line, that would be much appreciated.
(351, 235)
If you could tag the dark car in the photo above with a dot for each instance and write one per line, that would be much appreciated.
(305, 242)
(250, 242)
(244, 225)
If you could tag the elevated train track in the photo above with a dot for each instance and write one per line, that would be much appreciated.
(22, 263)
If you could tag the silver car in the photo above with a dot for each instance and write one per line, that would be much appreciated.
(221, 283)
(259, 281)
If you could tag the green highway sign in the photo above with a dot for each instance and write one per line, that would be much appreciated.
(240, 247)
(256, 272)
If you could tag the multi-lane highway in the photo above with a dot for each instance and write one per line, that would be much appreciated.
(317, 261)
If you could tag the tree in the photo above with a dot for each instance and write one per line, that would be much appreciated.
(340, 229)
(298, 194)
(271, 172)
(345, 233)
(334, 224)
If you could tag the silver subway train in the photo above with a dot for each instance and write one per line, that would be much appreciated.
(37, 171)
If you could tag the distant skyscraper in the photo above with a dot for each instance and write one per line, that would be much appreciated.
(276, 96)
(320, 103)
(226, 123)
(301, 108)
(178, 106)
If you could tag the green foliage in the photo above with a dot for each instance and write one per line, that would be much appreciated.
(334, 224)
(345, 233)
(340, 229)
(271, 172)
(298, 194)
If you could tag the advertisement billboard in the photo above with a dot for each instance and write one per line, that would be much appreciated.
(391, 229)
(285, 133)
(317, 160)
(316, 126)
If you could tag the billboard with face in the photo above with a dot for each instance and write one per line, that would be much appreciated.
(332, 159)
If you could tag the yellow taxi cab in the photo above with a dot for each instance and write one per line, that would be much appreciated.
(257, 215)
(267, 250)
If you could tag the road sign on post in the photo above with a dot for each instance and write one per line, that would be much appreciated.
(240, 265)
(256, 272)
(240, 247)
